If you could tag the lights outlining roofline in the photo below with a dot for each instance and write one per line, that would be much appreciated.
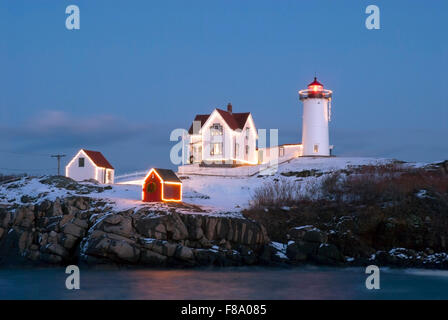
(94, 164)
(230, 159)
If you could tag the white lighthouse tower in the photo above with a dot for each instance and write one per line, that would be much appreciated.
(316, 115)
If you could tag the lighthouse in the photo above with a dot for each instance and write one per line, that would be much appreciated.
(316, 116)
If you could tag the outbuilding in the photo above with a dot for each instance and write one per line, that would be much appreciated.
(87, 164)
(161, 185)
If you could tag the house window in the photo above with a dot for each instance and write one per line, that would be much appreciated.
(247, 133)
(247, 149)
(216, 130)
(216, 149)
(316, 148)
(281, 151)
(81, 162)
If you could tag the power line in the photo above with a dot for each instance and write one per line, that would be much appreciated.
(24, 153)
(24, 170)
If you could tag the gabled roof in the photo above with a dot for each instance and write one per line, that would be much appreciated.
(98, 159)
(167, 175)
(199, 117)
(233, 120)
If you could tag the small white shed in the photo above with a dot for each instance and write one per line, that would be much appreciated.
(89, 164)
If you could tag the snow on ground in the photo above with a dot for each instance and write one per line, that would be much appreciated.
(119, 197)
(328, 164)
(213, 194)
(234, 193)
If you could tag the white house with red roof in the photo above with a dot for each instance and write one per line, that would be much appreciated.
(87, 164)
(222, 138)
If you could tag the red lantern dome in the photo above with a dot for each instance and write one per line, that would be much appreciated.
(315, 90)
(315, 86)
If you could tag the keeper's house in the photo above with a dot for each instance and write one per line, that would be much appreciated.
(222, 137)
(87, 164)
(161, 185)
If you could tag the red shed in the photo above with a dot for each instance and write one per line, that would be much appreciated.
(161, 185)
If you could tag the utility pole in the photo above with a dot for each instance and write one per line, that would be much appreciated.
(58, 156)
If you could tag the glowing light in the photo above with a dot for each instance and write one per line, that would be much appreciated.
(163, 182)
(316, 88)
(231, 159)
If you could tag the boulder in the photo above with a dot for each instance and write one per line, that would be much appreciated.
(81, 203)
(57, 249)
(73, 229)
(5, 218)
(124, 251)
(24, 216)
(153, 258)
(113, 219)
(123, 228)
(206, 257)
(175, 227)
(56, 208)
(296, 253)
(329, 254)
(81, 223)
(69, 241)
(184, 253)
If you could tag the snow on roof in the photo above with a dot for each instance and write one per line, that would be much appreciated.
(98, 159)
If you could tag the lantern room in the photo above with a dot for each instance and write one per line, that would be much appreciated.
(315, 86)
(315, 90)
(161, 185)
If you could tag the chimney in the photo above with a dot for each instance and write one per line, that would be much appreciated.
(229, 108)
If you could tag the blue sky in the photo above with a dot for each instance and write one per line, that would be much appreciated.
(138, 69)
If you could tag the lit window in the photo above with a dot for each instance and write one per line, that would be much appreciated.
(216, 149)
(81, 162)
(216, 130)
(316, 148)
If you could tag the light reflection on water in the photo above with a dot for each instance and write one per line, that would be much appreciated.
(225, 283)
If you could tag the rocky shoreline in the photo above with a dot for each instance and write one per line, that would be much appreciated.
(83, 230)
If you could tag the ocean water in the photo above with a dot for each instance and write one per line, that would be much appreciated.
(224, 283)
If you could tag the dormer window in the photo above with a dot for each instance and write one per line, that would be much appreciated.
(216, 130)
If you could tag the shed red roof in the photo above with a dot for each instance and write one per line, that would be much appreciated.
(98, 159)
(234, 120)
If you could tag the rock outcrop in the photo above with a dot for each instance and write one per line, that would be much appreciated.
(80, 229)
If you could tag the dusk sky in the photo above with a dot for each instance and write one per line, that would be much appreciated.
(136, 70)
